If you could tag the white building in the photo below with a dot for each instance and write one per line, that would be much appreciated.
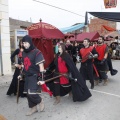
(5, 63)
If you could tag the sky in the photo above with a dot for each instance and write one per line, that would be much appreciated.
(29, 10)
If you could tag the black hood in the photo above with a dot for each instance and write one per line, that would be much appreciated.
(28, 39)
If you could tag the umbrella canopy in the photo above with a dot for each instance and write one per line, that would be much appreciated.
(72, 28)
(42, 35)
(44, 30)
(69, 35)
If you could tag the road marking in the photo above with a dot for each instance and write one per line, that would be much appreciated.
(106, 93)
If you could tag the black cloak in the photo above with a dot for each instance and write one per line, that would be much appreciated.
(79, 89)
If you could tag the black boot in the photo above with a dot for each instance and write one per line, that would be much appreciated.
(113, 72)
(92, 86)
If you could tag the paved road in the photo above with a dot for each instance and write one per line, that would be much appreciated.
(103, 105)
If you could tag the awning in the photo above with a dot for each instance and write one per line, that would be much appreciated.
(69, 35)
(91, 35)
(111, 16)
(113, 34)
(72, 28)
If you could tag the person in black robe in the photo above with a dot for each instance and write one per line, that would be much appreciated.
(109, 62)
(68, 47)
(78, 87)
(33, 62)
(13, 86)
(75, 52)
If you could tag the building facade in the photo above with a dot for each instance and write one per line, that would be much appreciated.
(96, 24)
(17, 31)
(5, 63)
(18, 24)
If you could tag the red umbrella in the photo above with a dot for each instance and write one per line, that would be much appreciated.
(44, 30)
(42, 35)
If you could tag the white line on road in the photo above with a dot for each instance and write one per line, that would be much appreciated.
(105, 93)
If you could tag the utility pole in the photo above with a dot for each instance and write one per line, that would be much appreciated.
(1, 62)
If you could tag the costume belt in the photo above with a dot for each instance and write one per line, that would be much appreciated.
(63, 73)
(28, 75)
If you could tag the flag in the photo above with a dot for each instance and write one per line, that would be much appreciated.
(46, 89)
(109, 28)
(110, 3)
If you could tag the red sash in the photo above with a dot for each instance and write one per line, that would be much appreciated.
(84, 52)
(101, 51)
(62, 68)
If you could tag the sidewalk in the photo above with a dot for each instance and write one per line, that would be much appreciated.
(5, 80)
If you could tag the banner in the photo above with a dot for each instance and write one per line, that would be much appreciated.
(109, 28)
(110, 3)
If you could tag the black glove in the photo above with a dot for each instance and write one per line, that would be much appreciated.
(102, 61)
(47, 69)
(71, 78)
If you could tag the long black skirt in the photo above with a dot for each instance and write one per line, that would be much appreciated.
(13, 86)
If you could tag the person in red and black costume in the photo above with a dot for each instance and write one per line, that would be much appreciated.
(33, 62)
(72, 84)
(101, 61)
(87, 54)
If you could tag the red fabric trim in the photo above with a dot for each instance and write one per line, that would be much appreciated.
(38, 53)
(32, 50)
(62, 68)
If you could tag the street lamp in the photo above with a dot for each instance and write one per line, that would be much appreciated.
(1, 52)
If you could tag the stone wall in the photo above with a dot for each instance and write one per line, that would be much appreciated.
(96, 25)
(5, 37)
